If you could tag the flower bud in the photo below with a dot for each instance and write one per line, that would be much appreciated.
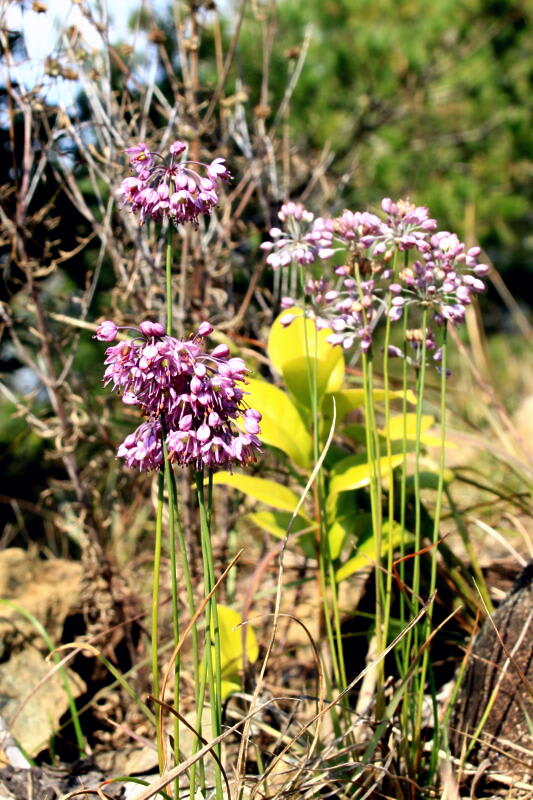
(205, 329)
(177, 148)
(287, 319)
(106, 331)
(394, 352)
(220, 351)
(149, 329)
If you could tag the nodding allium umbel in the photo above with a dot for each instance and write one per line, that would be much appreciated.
(391, 264)
(171, 188)
(191, 397)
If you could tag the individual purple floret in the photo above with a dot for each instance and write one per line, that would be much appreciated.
(107, 331)
(141, 159)
(167, 188)
(197, 394)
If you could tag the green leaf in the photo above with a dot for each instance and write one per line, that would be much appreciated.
(269, 492)
(366, 551)
(397, 426)
(228, 687)
(231, 650)
(355, 471)
(349, 399)
(349, 523)
(357, 433)
(338, 533)
(430, 474)
(281, 425)
(342, 517)
(300, 350)
(277, 522)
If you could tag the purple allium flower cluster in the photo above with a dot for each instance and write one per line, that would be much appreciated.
(170, 188)
(189, 396)
(393, 264)
(350, 309)
(303, 240)
(404, 227)
(444, 278)
(354, 313)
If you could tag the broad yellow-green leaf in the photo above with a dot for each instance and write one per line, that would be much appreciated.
(430, 480)
(430, 474)
(337, 534)
(396, 425)
(346, 522)
(277, 522)
(282, 425)
(366, 552)
(231, 650)
(300, 351)
(396, 429)
(343, 516)
(353, 472)
(228, 687)
(347, 400)
(269, 492)
(357, 433)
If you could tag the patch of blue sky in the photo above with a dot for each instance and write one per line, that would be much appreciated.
(43, 35)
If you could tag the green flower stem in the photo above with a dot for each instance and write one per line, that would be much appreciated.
(435, 539)
(403, 480)
(168, 276)
(386, 386)
(185, 566)
(172, 522)
(212, 631)
(420, 385)
(442, 464)
(405, 599)
(373, 453)
(172, 517)
(421, 378)
(155, 608)
(218, 655)
(328, 585)
(202, 684)
(182, 545)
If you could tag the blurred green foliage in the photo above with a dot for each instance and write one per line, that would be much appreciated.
(430, 100)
